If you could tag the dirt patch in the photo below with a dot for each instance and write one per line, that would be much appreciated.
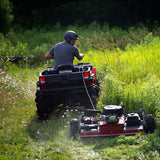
(2, 71)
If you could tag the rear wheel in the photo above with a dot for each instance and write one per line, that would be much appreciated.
(44, 105)
(149, 124)
(74, 128)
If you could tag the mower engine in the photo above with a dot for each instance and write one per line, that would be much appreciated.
(111, 113)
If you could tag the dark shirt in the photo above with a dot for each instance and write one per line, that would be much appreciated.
(63, 53)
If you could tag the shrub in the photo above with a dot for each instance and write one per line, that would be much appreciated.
(5, 15)
(8, 50)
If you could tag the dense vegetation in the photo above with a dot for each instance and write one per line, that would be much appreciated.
(5, 15)
(28, 14)
(39, 12)
(36, 42)
(127, 63)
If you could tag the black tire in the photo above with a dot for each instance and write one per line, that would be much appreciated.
(74, 129)
(94, 94)
(95, 91)
(37, 96)
(149, 124)
(43, 104)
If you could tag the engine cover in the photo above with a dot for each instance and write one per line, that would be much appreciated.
(133, 119)
(112, 110)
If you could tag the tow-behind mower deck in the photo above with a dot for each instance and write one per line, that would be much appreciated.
(112, 122)
(111, 129)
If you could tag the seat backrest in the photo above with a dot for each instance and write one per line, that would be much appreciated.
(65, 67)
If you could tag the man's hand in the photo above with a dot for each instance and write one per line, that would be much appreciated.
(48, 56)
(80, 56)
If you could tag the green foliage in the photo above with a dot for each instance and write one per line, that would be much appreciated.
(92, 36)
(38, 41)
(130, 76)
(5, 15)
(115, 12)
(158, 119)
(8, 50)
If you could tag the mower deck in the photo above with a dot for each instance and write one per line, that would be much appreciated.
(126, 131)
(110, 129)
(112, 122)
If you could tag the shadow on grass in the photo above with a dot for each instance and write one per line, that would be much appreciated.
(56, 126)
(57, 129)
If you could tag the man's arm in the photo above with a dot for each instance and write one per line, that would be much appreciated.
(80, 56)
(48, 56)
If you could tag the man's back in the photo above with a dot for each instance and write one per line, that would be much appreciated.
(63, 53)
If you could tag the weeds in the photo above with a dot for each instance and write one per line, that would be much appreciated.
(130, 76)
(37, 42)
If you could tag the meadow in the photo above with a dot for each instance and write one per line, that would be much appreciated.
(127, 63)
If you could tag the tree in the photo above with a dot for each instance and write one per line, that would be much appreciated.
(5, 15)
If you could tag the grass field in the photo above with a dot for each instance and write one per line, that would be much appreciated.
(128, 74)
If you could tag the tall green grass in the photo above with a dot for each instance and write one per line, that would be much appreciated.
(130, 76)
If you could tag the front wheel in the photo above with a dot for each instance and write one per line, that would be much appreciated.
(74, 128)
